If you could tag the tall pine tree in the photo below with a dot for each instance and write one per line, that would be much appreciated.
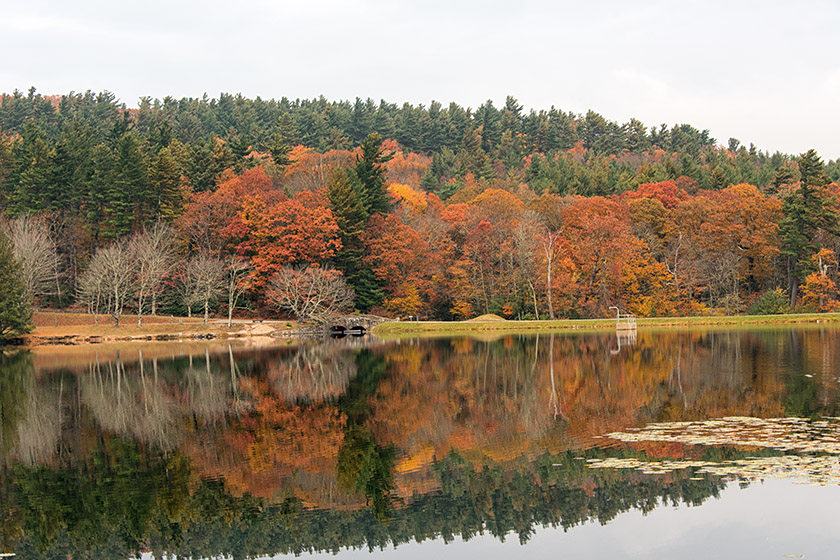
(346, 202)
(805, 213)
(370, 174)
(15, 307)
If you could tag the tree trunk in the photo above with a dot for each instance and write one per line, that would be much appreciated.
(534, 295)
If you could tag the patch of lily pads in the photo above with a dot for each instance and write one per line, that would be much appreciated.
(812, 448)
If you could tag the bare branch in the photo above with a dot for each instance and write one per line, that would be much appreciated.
(311, 294)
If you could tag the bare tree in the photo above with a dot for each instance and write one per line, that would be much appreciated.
(550, 243)
(238, 281)
(36, 252)
(526, 238)
(90, 291)
(204, 281)
(155, 254)
(311, 294)
(109, 280)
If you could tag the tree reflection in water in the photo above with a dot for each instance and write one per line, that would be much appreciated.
(232, 450)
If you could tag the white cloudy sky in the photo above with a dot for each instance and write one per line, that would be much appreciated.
(765, 72)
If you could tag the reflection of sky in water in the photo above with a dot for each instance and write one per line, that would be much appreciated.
(766, 520)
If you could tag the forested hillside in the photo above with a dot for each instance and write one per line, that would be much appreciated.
(433, 211)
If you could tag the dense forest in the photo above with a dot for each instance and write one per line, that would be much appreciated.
(212, 205)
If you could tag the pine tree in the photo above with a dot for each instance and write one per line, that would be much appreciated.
(370, 173)
(34, 157)
(129, 198)
(201, 167)
(345, 194)
(471, 157)
(15, 308)
(805, 213)
(167, 196)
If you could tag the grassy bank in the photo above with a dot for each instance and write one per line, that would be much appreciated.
(400, 328)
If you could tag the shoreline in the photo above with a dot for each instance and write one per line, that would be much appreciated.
(70, 335)
(74, 335)
(398, 328)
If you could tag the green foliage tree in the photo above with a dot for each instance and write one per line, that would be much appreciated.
(771, 302)
(165, 179)
(15, 308)
(33, 170)
(370, 174)
(806, 211)
(346, 202)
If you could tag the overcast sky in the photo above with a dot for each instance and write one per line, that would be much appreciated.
(763, 72)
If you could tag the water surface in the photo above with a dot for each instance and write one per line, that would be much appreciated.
(692, 444)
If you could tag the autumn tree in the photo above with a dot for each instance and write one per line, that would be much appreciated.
(296, 230)
(400, 259)
(310, 170)
(211, 219)
(598, 231)
(725, 240)
(819, 291)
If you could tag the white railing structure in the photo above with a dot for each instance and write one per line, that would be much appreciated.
(624, 321)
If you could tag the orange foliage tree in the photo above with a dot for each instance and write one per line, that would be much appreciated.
(399, 256)
(310, 170)
(599, 234)
(211, 218)
(289, 231)
(728, 238)
(819, 291)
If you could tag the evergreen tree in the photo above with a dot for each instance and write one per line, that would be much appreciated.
(345, 194)
(73, 166)
(15, 308)
(241, 149)
(279, 151)
(201, 167)
(129, 199)
(287, 129)
(471, 157)
(370, 173)
(32, 173)
(165, 178)
(805, 213)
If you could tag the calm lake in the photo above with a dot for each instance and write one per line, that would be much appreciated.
(669, 444)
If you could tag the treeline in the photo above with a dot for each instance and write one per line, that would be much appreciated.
(122, 502)
(456, 213)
